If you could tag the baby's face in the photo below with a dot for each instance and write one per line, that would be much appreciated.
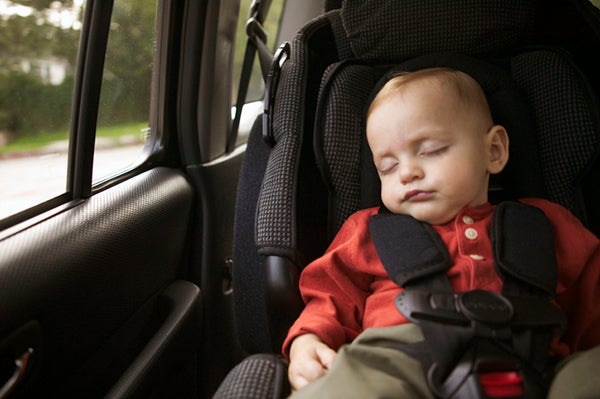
(431, 152)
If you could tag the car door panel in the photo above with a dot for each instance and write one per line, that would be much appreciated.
(171, 347)
(98, 281)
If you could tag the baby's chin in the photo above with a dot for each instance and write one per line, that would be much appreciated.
(431, 217)
(435, 220)
(424, 214)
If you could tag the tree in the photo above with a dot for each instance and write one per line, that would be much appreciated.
(31, 47)
(35, 39)
(128, 64)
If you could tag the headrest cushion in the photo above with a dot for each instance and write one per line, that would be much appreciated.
(395, 30)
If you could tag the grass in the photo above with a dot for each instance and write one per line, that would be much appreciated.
(32, 143)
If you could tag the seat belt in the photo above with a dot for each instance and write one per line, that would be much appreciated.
(256, 43)
(477, 343)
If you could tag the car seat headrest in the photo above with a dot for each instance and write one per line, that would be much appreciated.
(346, 162)
(478, 27)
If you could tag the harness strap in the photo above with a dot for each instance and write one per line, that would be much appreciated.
(523, 247)
(256, 44)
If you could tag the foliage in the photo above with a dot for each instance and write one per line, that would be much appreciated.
(28, 105)
(36, 36)
(34, 41)
(128, 65)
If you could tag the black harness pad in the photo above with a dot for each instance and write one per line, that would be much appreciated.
(409, 249)
(523, 246)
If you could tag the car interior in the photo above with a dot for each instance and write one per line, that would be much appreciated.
(178, 277)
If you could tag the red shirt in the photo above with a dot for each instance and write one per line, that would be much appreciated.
(347, 290)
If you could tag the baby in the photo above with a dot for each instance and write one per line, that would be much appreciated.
(434, 146)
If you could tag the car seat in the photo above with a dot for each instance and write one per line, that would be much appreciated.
(307, 168)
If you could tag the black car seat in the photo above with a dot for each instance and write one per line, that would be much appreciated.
(307, 168)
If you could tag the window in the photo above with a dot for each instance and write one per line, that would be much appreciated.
(256, 86)
(38, 55)
(123, 117)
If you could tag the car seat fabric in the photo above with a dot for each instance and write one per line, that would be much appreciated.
(267, 203)
(342, 55)
(260, 376)
(391, 31)
(248, 278)
(342, 99)
(567, 121)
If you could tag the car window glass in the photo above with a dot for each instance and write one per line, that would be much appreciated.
(38, 46)
(123, 117)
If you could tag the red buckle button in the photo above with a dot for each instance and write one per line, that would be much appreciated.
(501, 384)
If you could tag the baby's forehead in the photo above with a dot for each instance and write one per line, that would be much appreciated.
(459, 89)
(431, 86)
(435, 93)
(458, 85)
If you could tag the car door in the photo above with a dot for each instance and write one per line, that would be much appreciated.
(99, 222)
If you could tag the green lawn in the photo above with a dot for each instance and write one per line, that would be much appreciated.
(32, 143)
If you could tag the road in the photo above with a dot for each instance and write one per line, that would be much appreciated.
(27, 181)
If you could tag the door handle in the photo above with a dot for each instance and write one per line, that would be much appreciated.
(21, 365)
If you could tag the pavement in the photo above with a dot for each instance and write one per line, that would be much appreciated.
(29, 178)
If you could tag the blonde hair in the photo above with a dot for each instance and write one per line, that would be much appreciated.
(465, 88)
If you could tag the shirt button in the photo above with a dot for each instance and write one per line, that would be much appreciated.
(476, 257)
(471, 233)
(467, 219)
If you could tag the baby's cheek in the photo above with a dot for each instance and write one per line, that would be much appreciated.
(391, 202)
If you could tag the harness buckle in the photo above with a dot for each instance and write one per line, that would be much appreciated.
(477, 308)
(486, 307)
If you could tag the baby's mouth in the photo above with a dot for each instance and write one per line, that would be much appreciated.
(417, 195)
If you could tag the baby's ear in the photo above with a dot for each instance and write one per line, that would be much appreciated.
(497, 144)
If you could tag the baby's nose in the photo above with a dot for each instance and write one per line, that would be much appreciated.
(410, 171)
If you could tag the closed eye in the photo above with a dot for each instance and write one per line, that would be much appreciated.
(434, 152)
(386, 167)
